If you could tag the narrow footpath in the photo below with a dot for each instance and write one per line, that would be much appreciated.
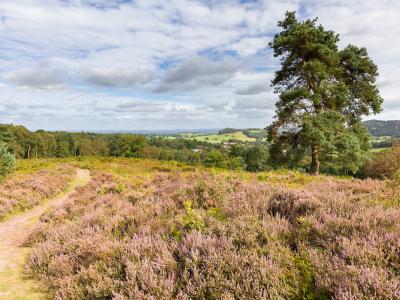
(13, 231)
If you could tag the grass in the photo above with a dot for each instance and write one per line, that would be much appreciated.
(376, 150)
(23, 287)
(28, 166)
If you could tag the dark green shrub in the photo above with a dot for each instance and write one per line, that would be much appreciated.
(7, 162)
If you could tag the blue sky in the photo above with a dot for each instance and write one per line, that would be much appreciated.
(146, 64)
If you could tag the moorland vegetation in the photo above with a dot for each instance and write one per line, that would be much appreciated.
(145, 229)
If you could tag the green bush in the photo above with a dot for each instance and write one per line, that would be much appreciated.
(7, 162)
(188, 222)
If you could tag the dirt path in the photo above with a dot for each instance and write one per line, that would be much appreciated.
(13, 231)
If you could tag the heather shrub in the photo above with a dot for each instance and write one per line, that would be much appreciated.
(24, 191)
(292, 204)
(208, 236)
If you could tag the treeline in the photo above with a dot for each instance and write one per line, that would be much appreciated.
(228, 130)
(386, 143)
(383, 128)
(25, 144)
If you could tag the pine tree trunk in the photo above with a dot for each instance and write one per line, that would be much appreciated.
(314, 168)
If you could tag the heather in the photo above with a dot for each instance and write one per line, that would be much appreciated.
(25, 190)
(194, 234)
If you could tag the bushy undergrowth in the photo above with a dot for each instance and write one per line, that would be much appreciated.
(23, 191)
(209, 236)
(383, 164)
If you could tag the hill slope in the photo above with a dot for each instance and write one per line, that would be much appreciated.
(383, 128)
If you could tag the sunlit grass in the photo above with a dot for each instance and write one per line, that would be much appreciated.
(214, 138)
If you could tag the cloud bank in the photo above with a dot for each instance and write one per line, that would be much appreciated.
(148, 64)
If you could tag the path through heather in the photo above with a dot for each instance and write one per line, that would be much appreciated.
(13, 231)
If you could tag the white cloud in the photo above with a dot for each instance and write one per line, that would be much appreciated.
(117, 77)
(47, 79)
(197, 72)
(249, 46)
(253, 89)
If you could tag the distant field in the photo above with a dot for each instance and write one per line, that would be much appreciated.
(377, 139)
(218, 138)
(214, 138)
(375, 150)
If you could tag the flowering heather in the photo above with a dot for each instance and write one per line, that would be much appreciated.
(210, 236)
(23, 191)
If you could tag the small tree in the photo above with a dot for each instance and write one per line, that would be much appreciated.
(323, 93)
(256, 158)
(7, 161)
(215, 158)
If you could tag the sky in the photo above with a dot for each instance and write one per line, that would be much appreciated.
(146, 64)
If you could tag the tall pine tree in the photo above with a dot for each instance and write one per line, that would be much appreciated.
(323, 94)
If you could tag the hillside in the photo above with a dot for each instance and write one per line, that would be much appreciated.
(224, 135)
(218, 138)
(145, 229)
(389, 128)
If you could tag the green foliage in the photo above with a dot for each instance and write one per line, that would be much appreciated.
(188, 222)
(306, 287)
(236, 163)
(256, 158)
(119, 188)
(323, 93)
(343, 149)
(63, 145)
(191, 221)
(127, 145)
(7, 161)
(217, 213)
(215, 158)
